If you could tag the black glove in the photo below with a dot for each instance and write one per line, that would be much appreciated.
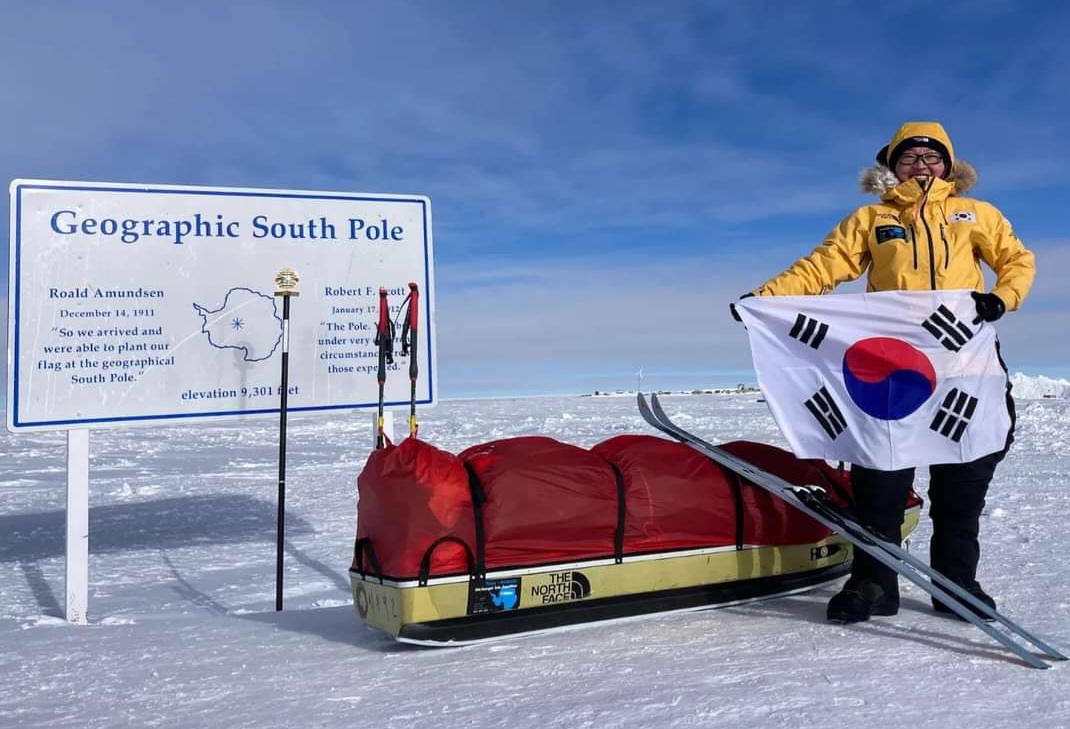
(989, 307)
(732, 308)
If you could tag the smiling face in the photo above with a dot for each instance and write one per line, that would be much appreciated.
(920, 162)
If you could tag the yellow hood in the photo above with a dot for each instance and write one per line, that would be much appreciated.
(918, 130)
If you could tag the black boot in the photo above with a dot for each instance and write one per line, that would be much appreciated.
(975, 590)
(873, 589)
(858, 601)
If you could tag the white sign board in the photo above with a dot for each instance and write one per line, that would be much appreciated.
(149, 302)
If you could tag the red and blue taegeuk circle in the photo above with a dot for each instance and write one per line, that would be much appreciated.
(887, 378)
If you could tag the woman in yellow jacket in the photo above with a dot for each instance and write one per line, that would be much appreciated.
(922, 235)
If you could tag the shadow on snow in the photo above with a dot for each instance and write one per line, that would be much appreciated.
(160, 524)
(335, 624)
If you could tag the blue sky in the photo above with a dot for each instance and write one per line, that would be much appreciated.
(605, 176)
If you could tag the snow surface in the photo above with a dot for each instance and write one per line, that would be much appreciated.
(183, 634)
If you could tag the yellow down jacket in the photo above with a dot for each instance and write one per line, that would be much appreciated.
(920, 236)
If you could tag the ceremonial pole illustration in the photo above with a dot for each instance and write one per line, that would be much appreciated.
(285, 286)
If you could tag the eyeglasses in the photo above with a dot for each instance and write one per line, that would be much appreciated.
(909, 159)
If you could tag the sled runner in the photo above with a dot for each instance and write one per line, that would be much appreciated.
(529, 534)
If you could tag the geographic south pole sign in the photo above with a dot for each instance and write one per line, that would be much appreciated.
(134, 303)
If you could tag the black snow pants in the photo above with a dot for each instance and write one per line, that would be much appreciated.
(957, 497)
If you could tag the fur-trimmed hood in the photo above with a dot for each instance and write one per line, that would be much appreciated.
(878, 179)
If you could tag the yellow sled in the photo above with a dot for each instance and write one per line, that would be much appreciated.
(463, 609)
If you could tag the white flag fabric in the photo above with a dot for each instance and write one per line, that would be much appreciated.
(885, 380)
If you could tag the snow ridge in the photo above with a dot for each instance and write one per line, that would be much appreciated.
(1027, 387)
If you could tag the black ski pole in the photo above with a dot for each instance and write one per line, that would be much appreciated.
(384, 339)
(285, 286)
(408, 347)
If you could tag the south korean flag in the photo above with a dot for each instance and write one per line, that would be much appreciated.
(885, 380)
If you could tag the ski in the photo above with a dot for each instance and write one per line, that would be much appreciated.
(813, 502)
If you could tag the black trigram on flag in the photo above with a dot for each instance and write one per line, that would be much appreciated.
(827, 413)
(954, 414)
(947, 329)
(809, 331)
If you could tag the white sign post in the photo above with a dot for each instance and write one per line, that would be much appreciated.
(76, 573)
(140, 304)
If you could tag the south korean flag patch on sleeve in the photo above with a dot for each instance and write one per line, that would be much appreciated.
(963, 216)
